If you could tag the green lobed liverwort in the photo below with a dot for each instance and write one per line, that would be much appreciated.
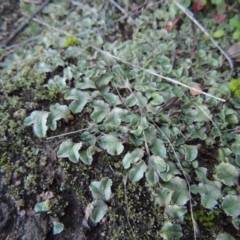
(70, 41)
(235, 87)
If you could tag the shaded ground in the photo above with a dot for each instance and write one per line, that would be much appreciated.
(31, 171)
(10, 18)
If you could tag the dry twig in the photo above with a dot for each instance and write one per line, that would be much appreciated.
(25, 23)
(194, 20)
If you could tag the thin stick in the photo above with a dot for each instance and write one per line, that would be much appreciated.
(186, 176)
(14, 48)
(65, 134)
(81, 130)
(190, 15)
(215, 125)
(21, 27)
(126, 198)
(121, 9)
(154, 73)
(49, 27)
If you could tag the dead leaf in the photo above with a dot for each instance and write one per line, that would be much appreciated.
(234, 52)
(169, 26)
(195, 90)
(88, 211)
(220, 17)
(46, 195)
(19, 113)
(176, 23)
(198, 5)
